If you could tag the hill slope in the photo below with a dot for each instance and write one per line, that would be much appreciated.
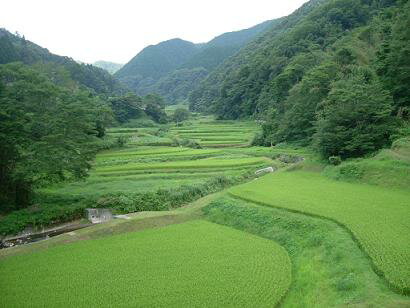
(302, 76)
(14, 48)
(173, 68)
(155, 61)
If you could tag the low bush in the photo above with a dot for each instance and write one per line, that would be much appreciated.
(335, 160)
(188, 143)
(17, 221)
(121, 141)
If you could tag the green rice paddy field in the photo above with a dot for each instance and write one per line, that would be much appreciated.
(194, 264)
(379, 218)
(139, 167)
(303, 236)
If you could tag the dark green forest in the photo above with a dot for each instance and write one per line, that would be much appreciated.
(174, 67)
(334, 75)
(15, 48)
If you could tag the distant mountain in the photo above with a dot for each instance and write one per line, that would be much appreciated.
(155, 61)
(111, 67)
(181, 63)
(221, 47)
(16, 48)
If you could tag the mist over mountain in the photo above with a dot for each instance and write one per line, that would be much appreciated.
(111, 67)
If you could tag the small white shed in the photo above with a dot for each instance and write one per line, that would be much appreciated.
(98, 215)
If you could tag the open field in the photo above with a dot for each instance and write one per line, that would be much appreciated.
(192, 264)
(378, 218)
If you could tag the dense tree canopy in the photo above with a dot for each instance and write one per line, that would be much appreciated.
(127, 107)
(180, 115)
(288, 77)
(355, 118)
(46, 132)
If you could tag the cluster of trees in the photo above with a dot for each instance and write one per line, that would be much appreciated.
(48, 132)
(334, 75)
(131, 106)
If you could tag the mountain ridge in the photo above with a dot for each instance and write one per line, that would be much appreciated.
(14, 48)
(154, 69)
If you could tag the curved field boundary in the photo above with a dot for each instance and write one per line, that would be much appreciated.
(378, 218)
(193, 264)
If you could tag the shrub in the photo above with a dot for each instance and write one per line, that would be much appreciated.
(121, 141)
(335, 160)
(189, 143)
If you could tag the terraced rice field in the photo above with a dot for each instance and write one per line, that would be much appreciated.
(218, 134)
(194, 264)
(379, 218)
(142, 169)
(208, 163)
(148, 162)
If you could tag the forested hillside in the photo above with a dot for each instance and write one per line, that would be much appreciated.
(173, 68)
(14, 48)
(333, 74)
(155, 61)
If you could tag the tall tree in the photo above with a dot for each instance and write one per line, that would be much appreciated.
(355, 119)
(46, 133)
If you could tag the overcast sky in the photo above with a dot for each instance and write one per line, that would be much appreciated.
(91, 30)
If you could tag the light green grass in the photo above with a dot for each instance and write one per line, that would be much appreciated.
(378, 218)
(159, 154)
(142, 151)
(128, 184)
(195, 264)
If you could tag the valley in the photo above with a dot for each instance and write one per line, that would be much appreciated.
(268, 166)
